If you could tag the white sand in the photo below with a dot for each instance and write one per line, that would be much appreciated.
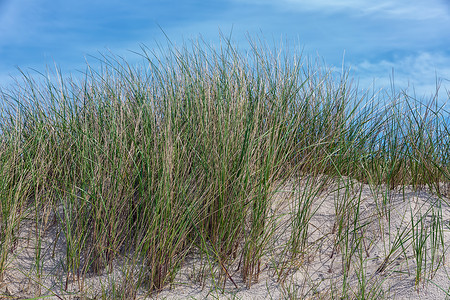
(317, 275)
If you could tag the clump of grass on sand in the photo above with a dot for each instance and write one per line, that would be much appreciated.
(182, 157)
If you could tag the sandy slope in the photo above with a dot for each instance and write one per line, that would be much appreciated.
(366, 254)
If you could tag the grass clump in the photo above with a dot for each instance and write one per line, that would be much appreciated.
(183, 155)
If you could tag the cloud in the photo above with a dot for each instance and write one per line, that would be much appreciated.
(398, 9)
(417, 10)
(416, 73)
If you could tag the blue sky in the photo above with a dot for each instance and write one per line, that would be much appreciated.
(411, 37)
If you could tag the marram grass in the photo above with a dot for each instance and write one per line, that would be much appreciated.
(183, 154)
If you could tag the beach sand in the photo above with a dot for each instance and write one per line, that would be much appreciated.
(375, 250)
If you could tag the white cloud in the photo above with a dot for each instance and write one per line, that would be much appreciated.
(419, 72)
(398, 9)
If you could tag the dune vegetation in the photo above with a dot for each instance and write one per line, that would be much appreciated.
(181, 156)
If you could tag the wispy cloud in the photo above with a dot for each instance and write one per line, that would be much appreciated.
(419, 73)
(376, 35)
(398, 9)
(402, 9)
